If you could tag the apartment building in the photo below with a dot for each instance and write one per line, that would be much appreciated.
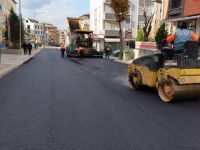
(177, 11)
(5, 7)
(51, 34)
(34, 30)
(106, 29)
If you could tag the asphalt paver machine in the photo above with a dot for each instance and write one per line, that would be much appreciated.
(175, 77)
(84, 44)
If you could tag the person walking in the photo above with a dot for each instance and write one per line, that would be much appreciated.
(62, 49)
(24, 46)
(107, 51)
(29, 46)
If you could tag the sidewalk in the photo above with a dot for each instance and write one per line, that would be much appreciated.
(116, 59)
(10, 62)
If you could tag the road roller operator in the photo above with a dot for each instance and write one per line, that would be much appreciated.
(180, 37)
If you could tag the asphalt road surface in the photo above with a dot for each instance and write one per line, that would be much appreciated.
(51, 103)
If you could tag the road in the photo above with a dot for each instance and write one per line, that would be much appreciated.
(51, 103)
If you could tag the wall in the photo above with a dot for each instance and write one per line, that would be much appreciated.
(191, 7)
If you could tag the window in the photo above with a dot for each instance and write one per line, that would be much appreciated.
(28, 26)
(26, 21)
(176, 4)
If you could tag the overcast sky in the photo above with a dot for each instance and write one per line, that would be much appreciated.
(54, 11)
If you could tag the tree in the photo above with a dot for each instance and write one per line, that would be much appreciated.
(140, 35)
(121, 9)
(160, 36)
(12, 29)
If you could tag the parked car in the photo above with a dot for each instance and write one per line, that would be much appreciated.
(115, 53)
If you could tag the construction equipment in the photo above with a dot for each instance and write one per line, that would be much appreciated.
(85, 42)
(174, 76)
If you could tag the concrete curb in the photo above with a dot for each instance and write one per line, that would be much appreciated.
(12, 68)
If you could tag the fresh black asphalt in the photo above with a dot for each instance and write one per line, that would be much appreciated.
(51, 103)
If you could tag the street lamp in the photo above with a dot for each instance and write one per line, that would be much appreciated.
(20, 25)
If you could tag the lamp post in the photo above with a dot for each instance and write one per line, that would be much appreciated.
(20, 25)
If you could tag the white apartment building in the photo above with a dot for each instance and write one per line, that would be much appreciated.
(106, 29)
(34, 30)
(5, 7)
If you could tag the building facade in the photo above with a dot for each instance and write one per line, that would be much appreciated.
(177, 11)
(5, 7)
(34, 31)
(106, 29)
(51, 34)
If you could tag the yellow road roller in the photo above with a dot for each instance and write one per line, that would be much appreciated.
(174, 76)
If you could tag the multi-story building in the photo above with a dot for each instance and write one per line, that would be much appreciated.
(34, 30)
(106, 28)
(5, 7)
(51, 34)
(62, 37)
(177, 11)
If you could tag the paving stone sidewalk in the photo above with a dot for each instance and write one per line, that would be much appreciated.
(10, 62)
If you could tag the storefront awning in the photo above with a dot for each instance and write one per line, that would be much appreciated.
(182, 19)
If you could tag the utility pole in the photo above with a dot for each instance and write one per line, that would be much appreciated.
(20, 26)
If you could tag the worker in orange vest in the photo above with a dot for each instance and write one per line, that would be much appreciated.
(62, 49)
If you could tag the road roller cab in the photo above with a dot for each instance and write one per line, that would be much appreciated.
(174, 76)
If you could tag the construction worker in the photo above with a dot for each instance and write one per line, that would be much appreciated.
(180, 37)
(62, 49)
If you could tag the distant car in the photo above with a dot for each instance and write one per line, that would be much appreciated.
(115, 53)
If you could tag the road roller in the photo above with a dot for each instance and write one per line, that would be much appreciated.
(175, 76)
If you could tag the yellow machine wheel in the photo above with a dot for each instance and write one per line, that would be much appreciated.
(166, 91)
(135, 79)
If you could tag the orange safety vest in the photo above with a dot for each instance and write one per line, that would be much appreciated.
(62, 47)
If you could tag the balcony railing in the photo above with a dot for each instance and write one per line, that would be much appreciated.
(110, 16)
(111, 33)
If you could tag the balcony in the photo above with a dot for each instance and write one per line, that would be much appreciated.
(111, 33)
(110, 16)
(107, 1)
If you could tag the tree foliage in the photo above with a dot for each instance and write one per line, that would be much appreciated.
(140, 35)
(12, 28)
(160, 36)
(121, 9)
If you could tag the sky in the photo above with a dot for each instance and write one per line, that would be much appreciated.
(54, 11)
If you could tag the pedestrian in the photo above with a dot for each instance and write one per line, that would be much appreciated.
(29, 46)
(24, 46)
(107, 51)
(62, 49)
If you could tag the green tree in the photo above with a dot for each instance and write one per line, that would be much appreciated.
(161, 35)
(12, 29)
(121, 9)
(140, 35)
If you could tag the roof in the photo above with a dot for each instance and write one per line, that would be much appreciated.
(34, 21)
